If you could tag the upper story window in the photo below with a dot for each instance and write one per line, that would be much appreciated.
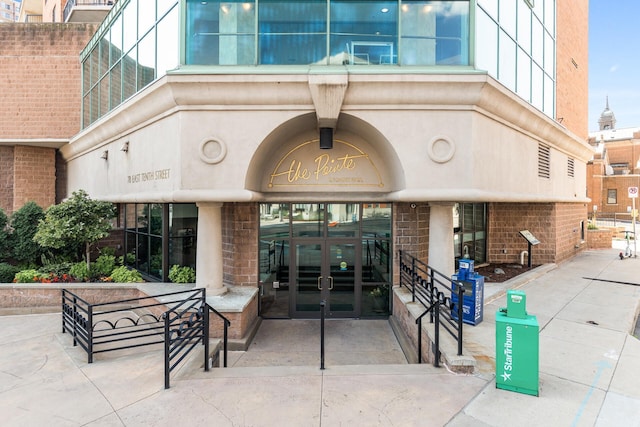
(321, 32)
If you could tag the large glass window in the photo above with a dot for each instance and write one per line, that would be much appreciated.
(292, 32)
(139, 45)
(158, 236)
(528, 31)
(366, 30)
(220, 33)
(142, 41)
(470, 231)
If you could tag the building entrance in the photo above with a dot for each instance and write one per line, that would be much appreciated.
(325, 271)
(334, 252)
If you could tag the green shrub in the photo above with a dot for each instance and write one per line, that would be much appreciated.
(5, 246)
(184, 274)
(127, 259)
(27, 276)
(79, 271)
(7, 272)
(24, 222)
(103, 266)
(124, 274)
(108, 251)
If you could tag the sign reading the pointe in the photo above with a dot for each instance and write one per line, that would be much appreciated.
(633, 192)
(305, 168)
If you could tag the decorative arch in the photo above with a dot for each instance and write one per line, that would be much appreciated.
(290, 160)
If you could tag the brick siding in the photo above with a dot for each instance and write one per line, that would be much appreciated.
(240, 243)
(6, 179)
(410, 233)
(40, 95)
(558, 227)
(34, 176)
(572, 64)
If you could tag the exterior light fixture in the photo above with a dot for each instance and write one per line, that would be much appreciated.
(326, 138)
(384, 10)
(105, 155)
(125, 147)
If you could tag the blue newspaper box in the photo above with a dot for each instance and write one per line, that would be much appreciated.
(473, 299)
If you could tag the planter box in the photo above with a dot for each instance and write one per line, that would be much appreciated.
(600, 239)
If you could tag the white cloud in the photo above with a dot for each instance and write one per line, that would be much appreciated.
(613, 68)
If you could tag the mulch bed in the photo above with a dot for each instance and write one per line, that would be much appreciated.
(501, 272)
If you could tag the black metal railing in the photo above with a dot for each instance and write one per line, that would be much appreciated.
(179, 320)
(433, 290)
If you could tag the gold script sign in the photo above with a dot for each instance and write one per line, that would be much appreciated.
(343, 165)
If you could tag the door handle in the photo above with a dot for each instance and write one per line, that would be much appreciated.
(319, 283)
(330, 283)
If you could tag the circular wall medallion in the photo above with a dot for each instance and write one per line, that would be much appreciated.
(212, 151)
(441, 149)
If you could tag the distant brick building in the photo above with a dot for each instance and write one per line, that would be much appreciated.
(615, 167)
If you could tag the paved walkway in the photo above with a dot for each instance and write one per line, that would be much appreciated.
(589, 371)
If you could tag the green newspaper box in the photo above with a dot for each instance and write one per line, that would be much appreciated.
(517, 346)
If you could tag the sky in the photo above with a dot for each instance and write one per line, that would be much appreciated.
(614, 61)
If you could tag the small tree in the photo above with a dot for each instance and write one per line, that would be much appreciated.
(78, 221)
(24, 223)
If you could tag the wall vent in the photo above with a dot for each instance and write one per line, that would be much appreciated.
(570, 166)
(544, 161)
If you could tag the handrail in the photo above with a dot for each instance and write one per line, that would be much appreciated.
(225, 340)
(104, 327)
(425, 283)
(184, 329)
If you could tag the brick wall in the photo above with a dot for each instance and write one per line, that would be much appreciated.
(572, 77)
(621, 184)
(571, 228)
(40, 91)
(410, 233)
(240, 243)
(600, 239)
(6, 179)
(40, 98)
(34, 176)
(506, 220)
(558, 227)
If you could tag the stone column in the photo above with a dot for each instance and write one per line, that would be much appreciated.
(209, 270)
(441, 255)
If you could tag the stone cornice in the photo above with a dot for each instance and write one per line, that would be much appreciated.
(470, 91)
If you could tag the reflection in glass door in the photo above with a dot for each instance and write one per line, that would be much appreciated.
(336, 252)
(324, 272)
(308, 278)
(341, 260)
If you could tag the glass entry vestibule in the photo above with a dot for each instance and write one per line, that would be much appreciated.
(339, 253)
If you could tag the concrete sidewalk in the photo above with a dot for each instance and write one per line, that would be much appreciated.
(589, 372)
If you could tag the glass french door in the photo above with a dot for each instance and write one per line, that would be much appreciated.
(324, 270)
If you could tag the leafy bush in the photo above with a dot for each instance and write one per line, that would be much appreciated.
(27, 276)
(103, 266)
(80, 271)
(4, 237)
(184, 274)
(108, 251)
(127, 259)
(24, 222)
(124, 274)
(77, 222)
(7, 272)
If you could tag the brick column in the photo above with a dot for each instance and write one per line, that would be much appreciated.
(209, 270)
